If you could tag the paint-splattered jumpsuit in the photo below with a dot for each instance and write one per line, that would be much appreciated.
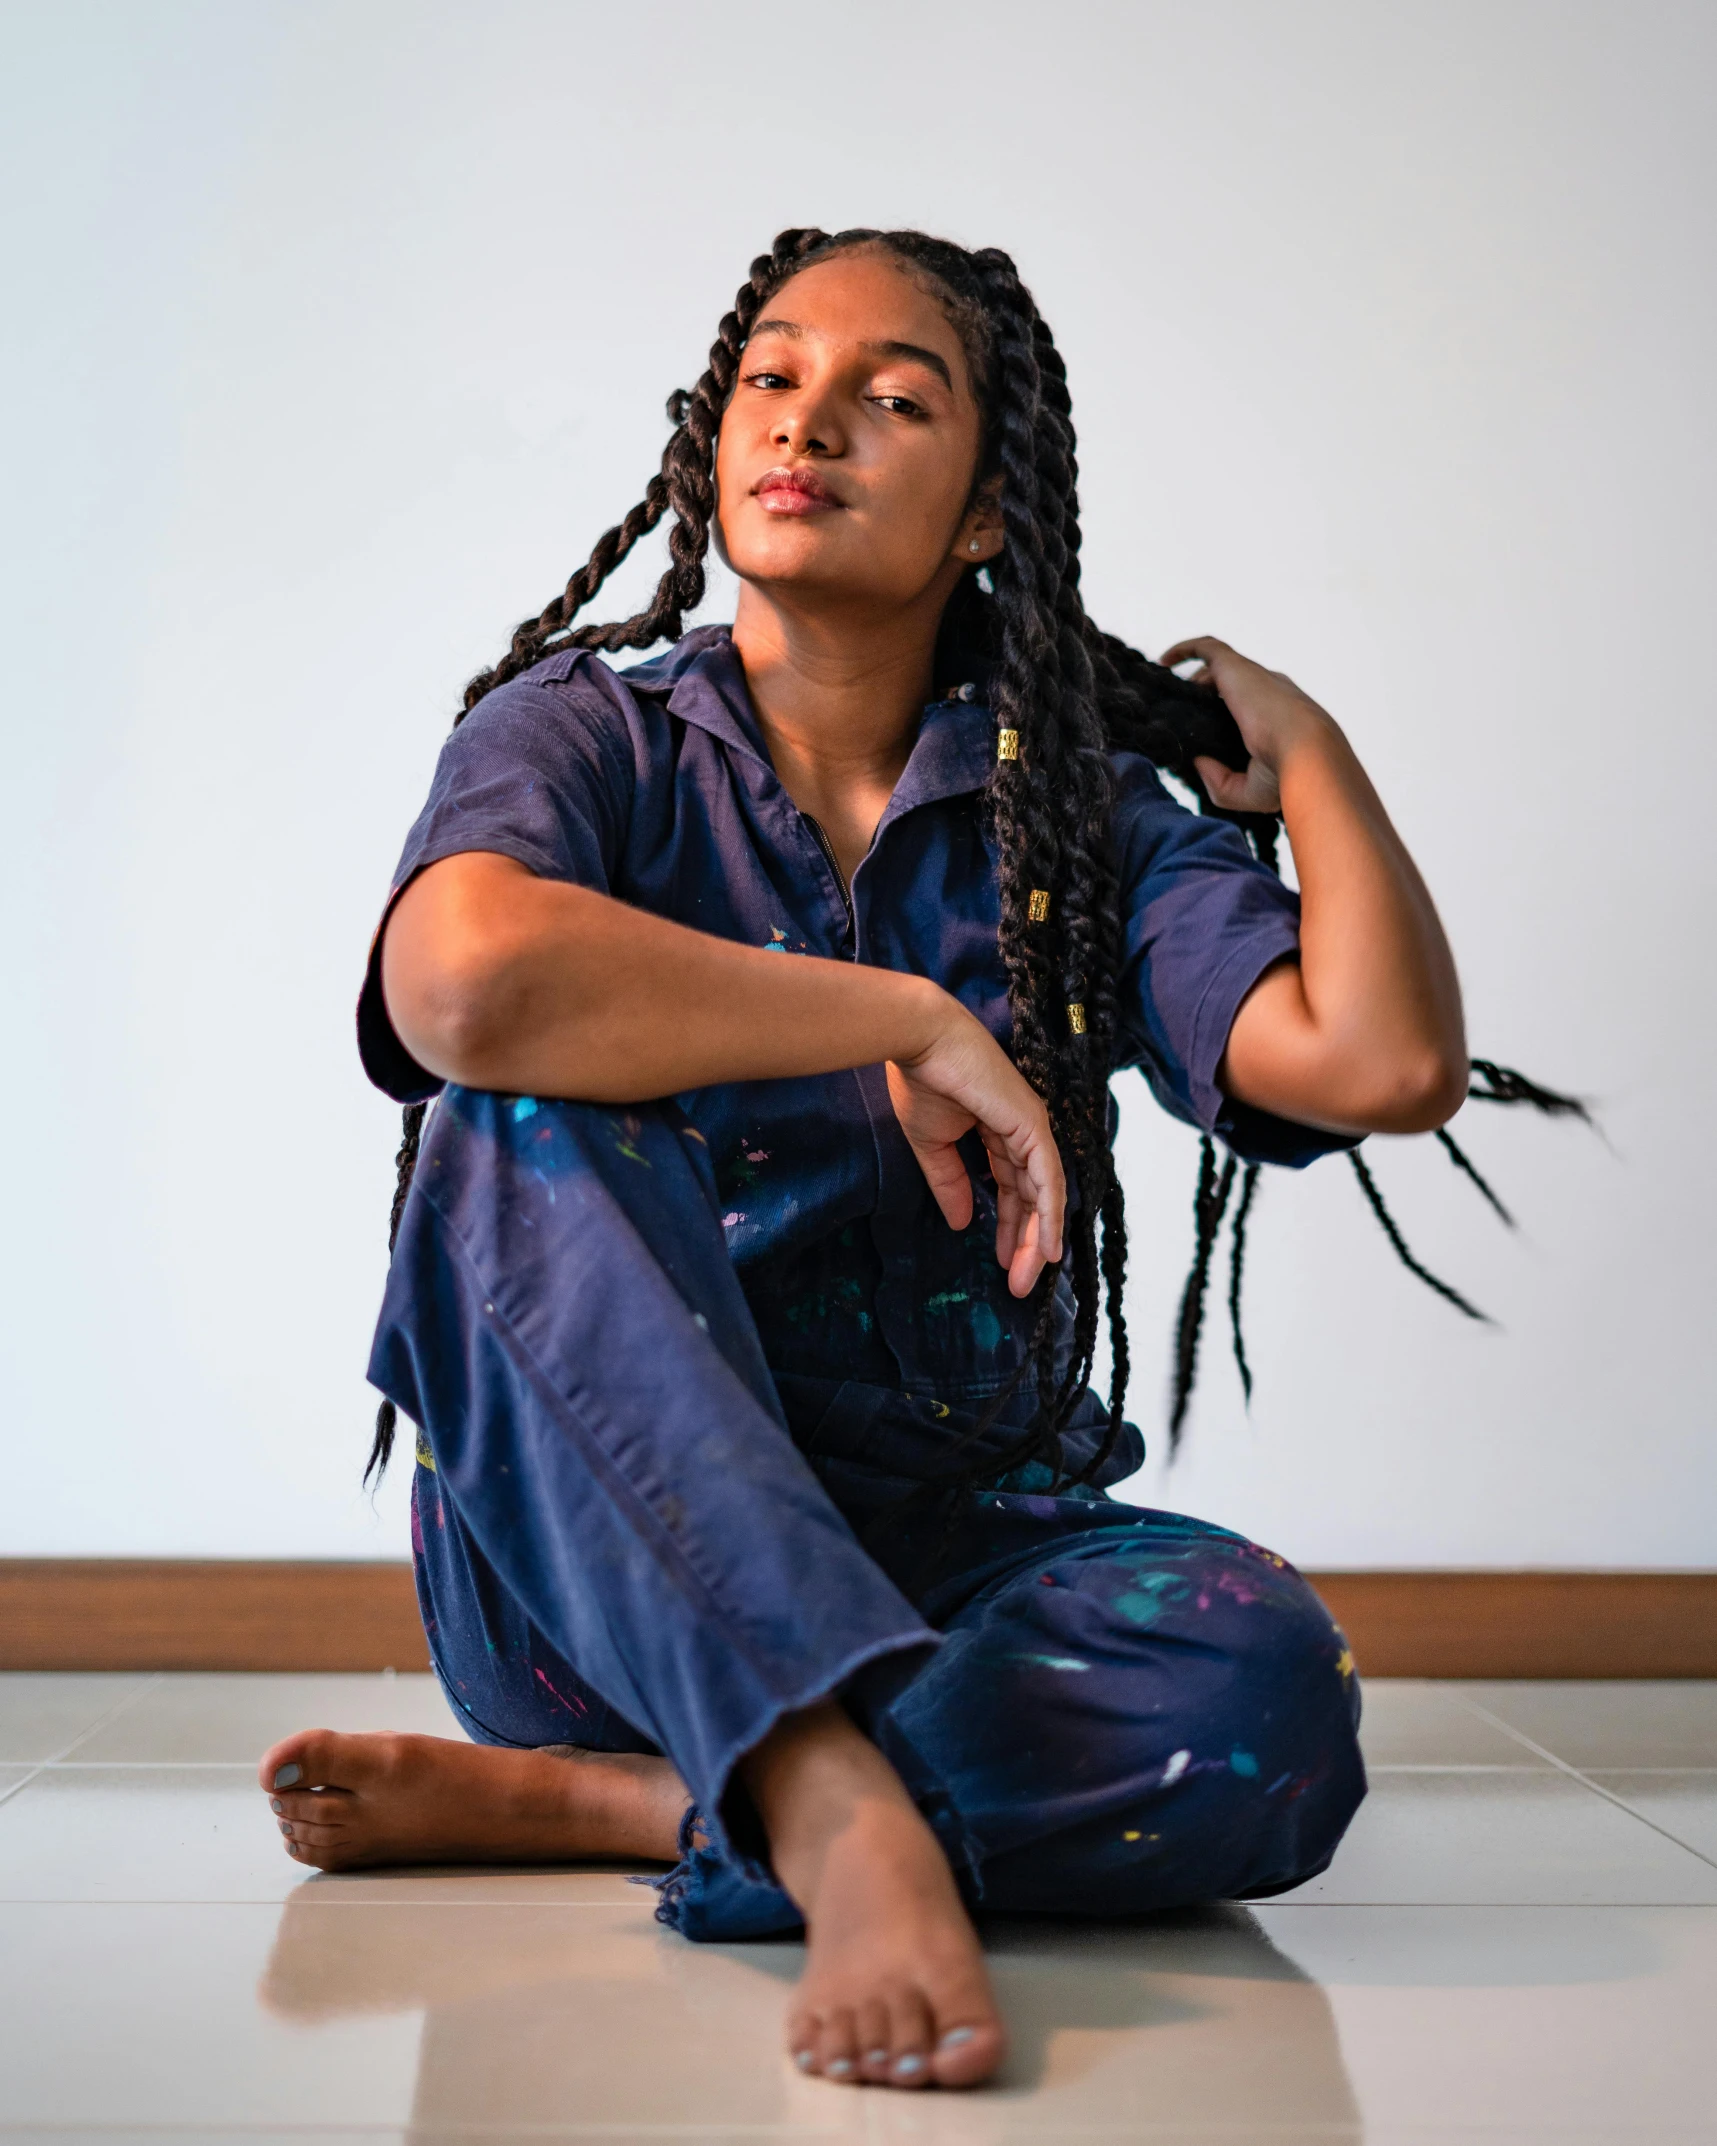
(679, 1368)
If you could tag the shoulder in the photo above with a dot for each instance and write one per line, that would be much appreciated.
(1147, 816)
(571, 709)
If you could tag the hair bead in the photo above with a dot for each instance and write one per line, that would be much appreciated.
(1038, 908)
(1007, 745)
(1076, 1017)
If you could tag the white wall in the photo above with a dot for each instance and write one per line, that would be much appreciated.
(342, 329)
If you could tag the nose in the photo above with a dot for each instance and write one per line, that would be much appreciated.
(808, 425)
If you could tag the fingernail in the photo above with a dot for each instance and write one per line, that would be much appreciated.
(838, 2067)
(288, 1776)
(908, 2067)
(275, 1804)
(803, 2058)
(956, 2037)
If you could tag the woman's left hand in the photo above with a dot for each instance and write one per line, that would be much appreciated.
(1273, 714)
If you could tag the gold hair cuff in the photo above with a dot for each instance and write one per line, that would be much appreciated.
(1038, 910)
(1076, 1017)
(1007, 745)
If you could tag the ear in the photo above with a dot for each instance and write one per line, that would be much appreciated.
(979, 537)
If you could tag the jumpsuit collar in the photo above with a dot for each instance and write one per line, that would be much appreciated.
(703, 684)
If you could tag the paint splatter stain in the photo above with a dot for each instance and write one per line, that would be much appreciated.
(424, 1457)
(732, 1221)
(777, 940)
(525, 1107)
(1243, 1763)
(1145, 1603)
(1344, 1664)
(1055, 1661)
(1176, 1766)
(573, 1704)
(1132, 1834)
(986, 1328)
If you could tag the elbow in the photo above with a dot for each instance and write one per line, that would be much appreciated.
(457, 1012)
(1421, 1092)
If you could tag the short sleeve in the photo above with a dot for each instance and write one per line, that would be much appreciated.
(541, 771)
(1202, 920)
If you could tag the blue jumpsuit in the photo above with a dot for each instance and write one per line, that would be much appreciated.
(680, 1368)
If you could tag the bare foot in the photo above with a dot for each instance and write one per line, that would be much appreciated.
(347, 1801)
(895, 1990)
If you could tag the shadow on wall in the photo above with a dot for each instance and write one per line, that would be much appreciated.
(541, 2009)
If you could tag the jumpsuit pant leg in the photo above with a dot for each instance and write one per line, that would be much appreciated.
(1150, 1713)
(618, 1501)
(1139, 1712)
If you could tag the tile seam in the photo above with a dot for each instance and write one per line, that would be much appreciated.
(1586, 1781)
(40, 1766)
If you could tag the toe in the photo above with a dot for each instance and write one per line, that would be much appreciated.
(875, 2040)
(802, 2030)
(307, 1759)
(967, 2050)
(324, 1807)
(911, 2034)
(838, 2047)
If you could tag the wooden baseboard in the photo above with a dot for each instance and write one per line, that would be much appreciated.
(169, 1613)
(1527, 1624)
(192, 1613)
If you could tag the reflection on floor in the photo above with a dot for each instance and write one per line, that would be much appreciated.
(1518, 1942)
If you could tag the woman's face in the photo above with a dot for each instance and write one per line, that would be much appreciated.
(848, 450)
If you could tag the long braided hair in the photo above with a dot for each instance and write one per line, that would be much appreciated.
(1064, 694)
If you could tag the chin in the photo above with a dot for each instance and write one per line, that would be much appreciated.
(797, 554)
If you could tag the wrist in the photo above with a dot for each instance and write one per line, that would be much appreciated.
(927, 1014)
(1314, 741)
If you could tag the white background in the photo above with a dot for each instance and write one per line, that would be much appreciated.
(339, 331)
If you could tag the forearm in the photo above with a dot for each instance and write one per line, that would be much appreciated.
(497, 979)
(1366, 1034)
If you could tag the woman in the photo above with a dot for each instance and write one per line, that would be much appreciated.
(759, 1512)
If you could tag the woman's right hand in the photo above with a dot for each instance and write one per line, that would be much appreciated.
(963, 1078)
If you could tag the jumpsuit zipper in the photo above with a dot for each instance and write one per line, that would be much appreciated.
(828, 850)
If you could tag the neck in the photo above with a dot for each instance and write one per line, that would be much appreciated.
(837, 695)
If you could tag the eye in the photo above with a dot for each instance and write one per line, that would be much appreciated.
(901, 405)
(767, 380)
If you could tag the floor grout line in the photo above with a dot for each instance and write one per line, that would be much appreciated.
(38, 1766)
(1585, 1780)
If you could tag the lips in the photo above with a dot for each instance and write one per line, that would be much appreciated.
(793, 491)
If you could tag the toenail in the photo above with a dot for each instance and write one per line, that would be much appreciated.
(292, 1848)
(286, 1828)
(275, 1804)
(838, 2067)
(956, 2037)
(908, 2067)
(288, 1775)
(877, 2056)
(803, 2058)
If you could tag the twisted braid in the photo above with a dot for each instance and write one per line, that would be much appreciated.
(686, 483)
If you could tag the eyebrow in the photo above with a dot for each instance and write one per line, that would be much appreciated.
(792, 330)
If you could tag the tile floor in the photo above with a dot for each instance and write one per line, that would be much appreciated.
(1517, 1943)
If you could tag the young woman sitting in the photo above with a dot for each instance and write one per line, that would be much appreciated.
(761, 1513)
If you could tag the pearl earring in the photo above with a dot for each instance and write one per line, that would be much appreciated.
(974, 545)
